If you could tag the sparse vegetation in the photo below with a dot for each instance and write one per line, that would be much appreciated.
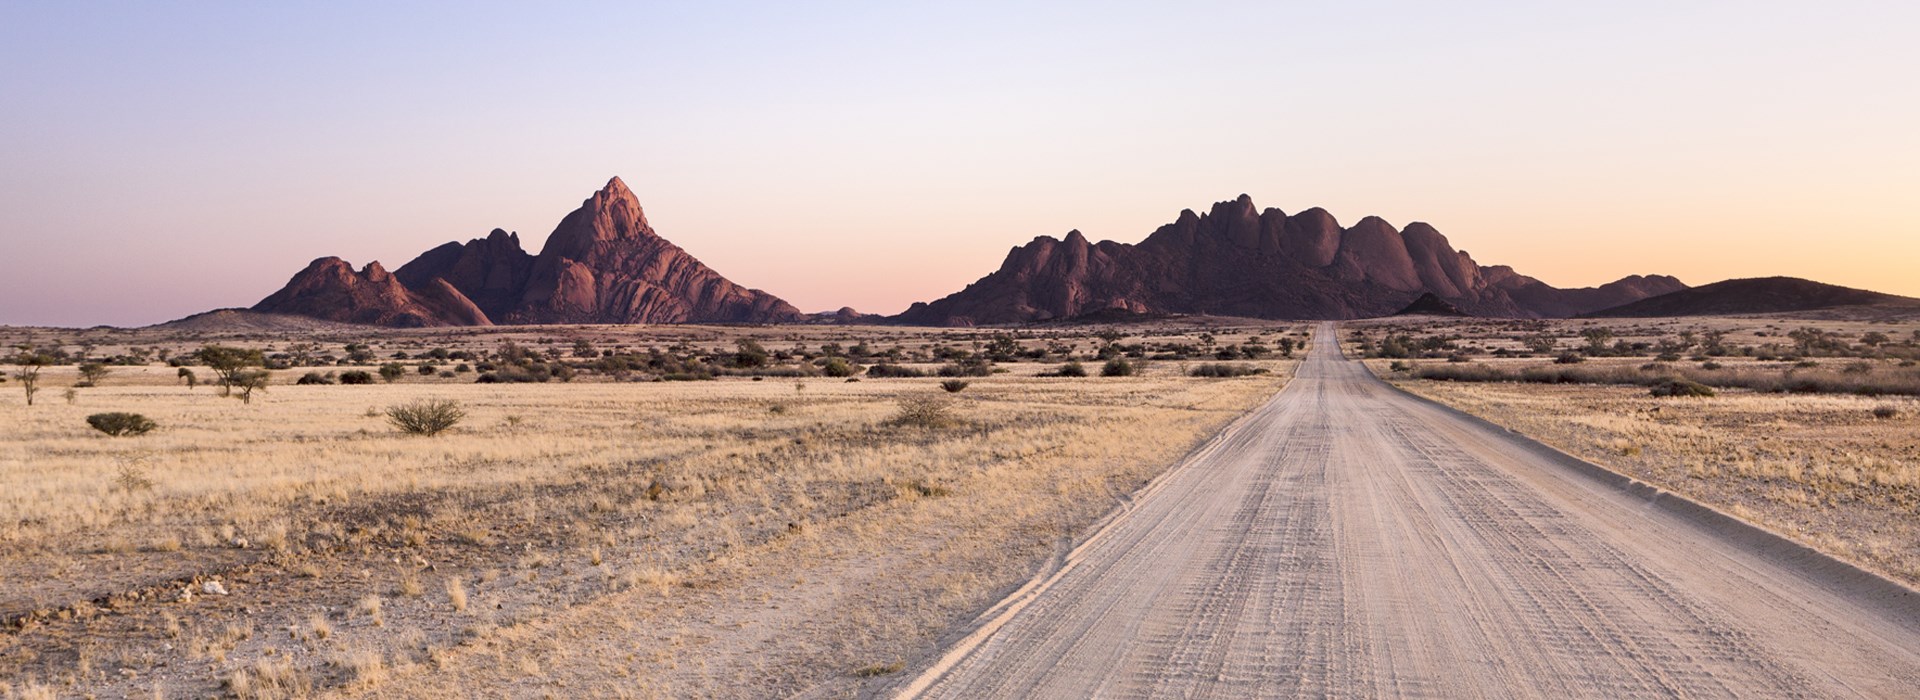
(1120, 367)
(570, 495)
(954, 386)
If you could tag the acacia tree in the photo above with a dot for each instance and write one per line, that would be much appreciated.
(244, 382)
(28, 372)
(92, 372)
(231, 364)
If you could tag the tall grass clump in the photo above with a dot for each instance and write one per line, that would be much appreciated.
(427, 417)
(924, 412)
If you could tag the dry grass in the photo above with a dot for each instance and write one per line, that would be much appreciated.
(1820, 468)
(647, 513)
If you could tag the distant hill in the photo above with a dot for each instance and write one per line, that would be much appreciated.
(249, 321)
(1240, 260)
(1759, 295)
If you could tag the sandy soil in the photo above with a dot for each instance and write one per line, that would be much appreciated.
(1351, 540)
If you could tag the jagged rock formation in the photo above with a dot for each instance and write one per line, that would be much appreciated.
(1239, 261)
(330, 289)
(1760, 295)
(602, 264)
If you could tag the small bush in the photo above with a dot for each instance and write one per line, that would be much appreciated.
(967, 368)
(1681, 387)
(427, 417)
(953, 386)
(1071, 369)
(356, 377)
(1117, 367)
(1885, 412)
(312, 378)
(392, 371)
(883, 371)
(1568, 358)
(121, 424)
(426, 370)
(839, 367)
(923, 412)
(1399, 366)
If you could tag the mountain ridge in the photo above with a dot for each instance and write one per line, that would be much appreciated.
(1238, 260)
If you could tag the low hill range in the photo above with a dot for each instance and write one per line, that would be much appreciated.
(1758, 295)
(604, 263)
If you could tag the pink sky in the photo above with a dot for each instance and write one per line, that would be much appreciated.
(160, 162)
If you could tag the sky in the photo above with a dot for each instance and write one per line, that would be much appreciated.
(160, 159)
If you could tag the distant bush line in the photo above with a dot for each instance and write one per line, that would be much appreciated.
(1870, 381)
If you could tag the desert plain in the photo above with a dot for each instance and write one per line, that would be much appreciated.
(728, 511)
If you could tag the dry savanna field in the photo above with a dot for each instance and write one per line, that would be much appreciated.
(1811, 428)
(767, 526)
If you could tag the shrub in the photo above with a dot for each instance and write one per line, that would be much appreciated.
(1399, 366)
(1224, 370)
(1568, 358)
(311, 378)
(1681, 387)
(972, 367)
(391, 371)
(885, 371)
(426, 370)
(356, 376)
(121, 424)
(1071, 369)
(839, 367)
(953, 386)
(1885, 412)
(923, 412)
(1117, 367)
(427, 417)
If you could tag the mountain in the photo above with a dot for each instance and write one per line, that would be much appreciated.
(1237, 260)
(1759, 295)
(602, 264)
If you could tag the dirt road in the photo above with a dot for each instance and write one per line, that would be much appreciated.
(1349, 540)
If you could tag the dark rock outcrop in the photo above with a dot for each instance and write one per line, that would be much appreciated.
(1760, 295)
(1239, 261)
(602, 264)
(1430, 304)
